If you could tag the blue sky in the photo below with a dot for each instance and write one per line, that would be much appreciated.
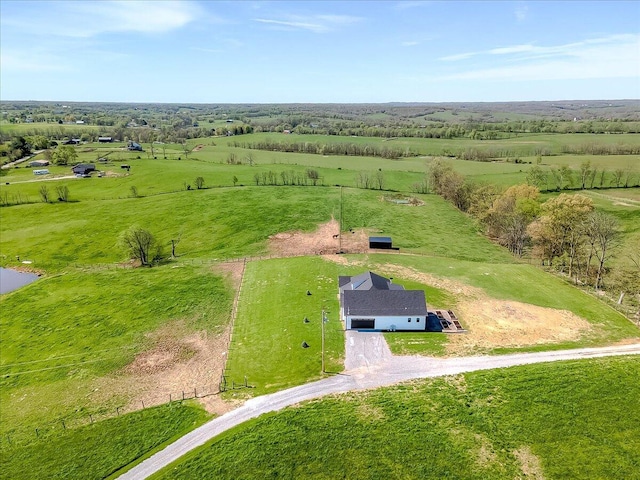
(303, 51)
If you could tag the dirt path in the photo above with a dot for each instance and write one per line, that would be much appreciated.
(396, 369)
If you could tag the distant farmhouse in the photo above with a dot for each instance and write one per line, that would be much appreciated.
(371, 302)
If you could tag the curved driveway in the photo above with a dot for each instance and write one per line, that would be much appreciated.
(369, 364)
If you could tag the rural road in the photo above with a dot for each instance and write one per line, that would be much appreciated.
(369, 364)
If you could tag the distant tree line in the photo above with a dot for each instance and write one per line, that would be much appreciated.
(287, 177)
(347, 149)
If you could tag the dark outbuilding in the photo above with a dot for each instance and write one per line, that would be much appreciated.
(380, 242)
(84, 168)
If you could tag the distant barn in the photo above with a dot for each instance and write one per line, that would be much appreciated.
(380, 242)
(83, 168)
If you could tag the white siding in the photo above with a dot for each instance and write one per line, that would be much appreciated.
(418, 322)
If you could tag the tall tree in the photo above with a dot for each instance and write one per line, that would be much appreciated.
(64, 155)
(603, 231)
(558, 230)
(141, 245)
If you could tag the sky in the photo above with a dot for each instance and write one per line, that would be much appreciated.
(319, 52)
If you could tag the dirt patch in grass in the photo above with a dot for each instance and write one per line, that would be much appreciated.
(529, 463)
(324, 241)
(497, 323)
(197, 148)
(232, 271)
(176, 361)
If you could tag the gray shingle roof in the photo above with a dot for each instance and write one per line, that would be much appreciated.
(384, 302)
(367, 281)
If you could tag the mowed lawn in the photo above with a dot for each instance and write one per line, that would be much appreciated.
(270, 326)
(577, 419)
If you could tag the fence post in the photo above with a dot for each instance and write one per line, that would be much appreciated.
(169, 398)
(195, 395)
(37, 434)
(142, 403)
(245, 381)
(118, 411)
(63, 425)
(183, 395)
(91, 418)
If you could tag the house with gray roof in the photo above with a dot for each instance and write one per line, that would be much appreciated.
(372, 302)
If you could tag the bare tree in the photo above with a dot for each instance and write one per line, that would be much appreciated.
(313, 175)
(380, 180)
(585, 173)
(603, 232)
(44, 193)
(141, 245)
(63, 193)
(174, 243)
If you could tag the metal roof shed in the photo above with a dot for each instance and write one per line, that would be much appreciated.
(380, 242)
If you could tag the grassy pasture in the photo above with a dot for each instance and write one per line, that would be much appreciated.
(100, 450)
(575, 419)
(231, 222)
(61, 333)
(80, 312)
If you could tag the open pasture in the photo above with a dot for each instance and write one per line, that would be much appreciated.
(101, 450)
(62, 333)
(575, 419)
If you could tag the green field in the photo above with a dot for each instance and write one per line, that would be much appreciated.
(91, 313)
(574, 420)
(61, 334)
(101, 450)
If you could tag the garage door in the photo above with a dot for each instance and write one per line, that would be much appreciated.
(363, 323)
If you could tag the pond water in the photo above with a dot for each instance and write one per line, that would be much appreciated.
(12, 280)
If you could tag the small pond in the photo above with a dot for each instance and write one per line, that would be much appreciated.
(12, 280)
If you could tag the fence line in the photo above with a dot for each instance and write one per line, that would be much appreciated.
(30, 434)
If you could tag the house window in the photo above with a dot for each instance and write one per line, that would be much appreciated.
(418, 319)
(409, 319)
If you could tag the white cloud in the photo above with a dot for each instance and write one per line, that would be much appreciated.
(521, 12)
(314, 27)
(403, 5)
(315, 23)
(617, 56)
(88, 19)
(410, 44)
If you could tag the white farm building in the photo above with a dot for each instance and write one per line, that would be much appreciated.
(371, 302)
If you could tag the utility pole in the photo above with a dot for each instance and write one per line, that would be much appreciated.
(340, 227)
(322, 322)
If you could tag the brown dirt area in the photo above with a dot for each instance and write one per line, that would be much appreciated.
(197, 148)
(323, 241)
(499, 323)
(529, 463)
(176, 361)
